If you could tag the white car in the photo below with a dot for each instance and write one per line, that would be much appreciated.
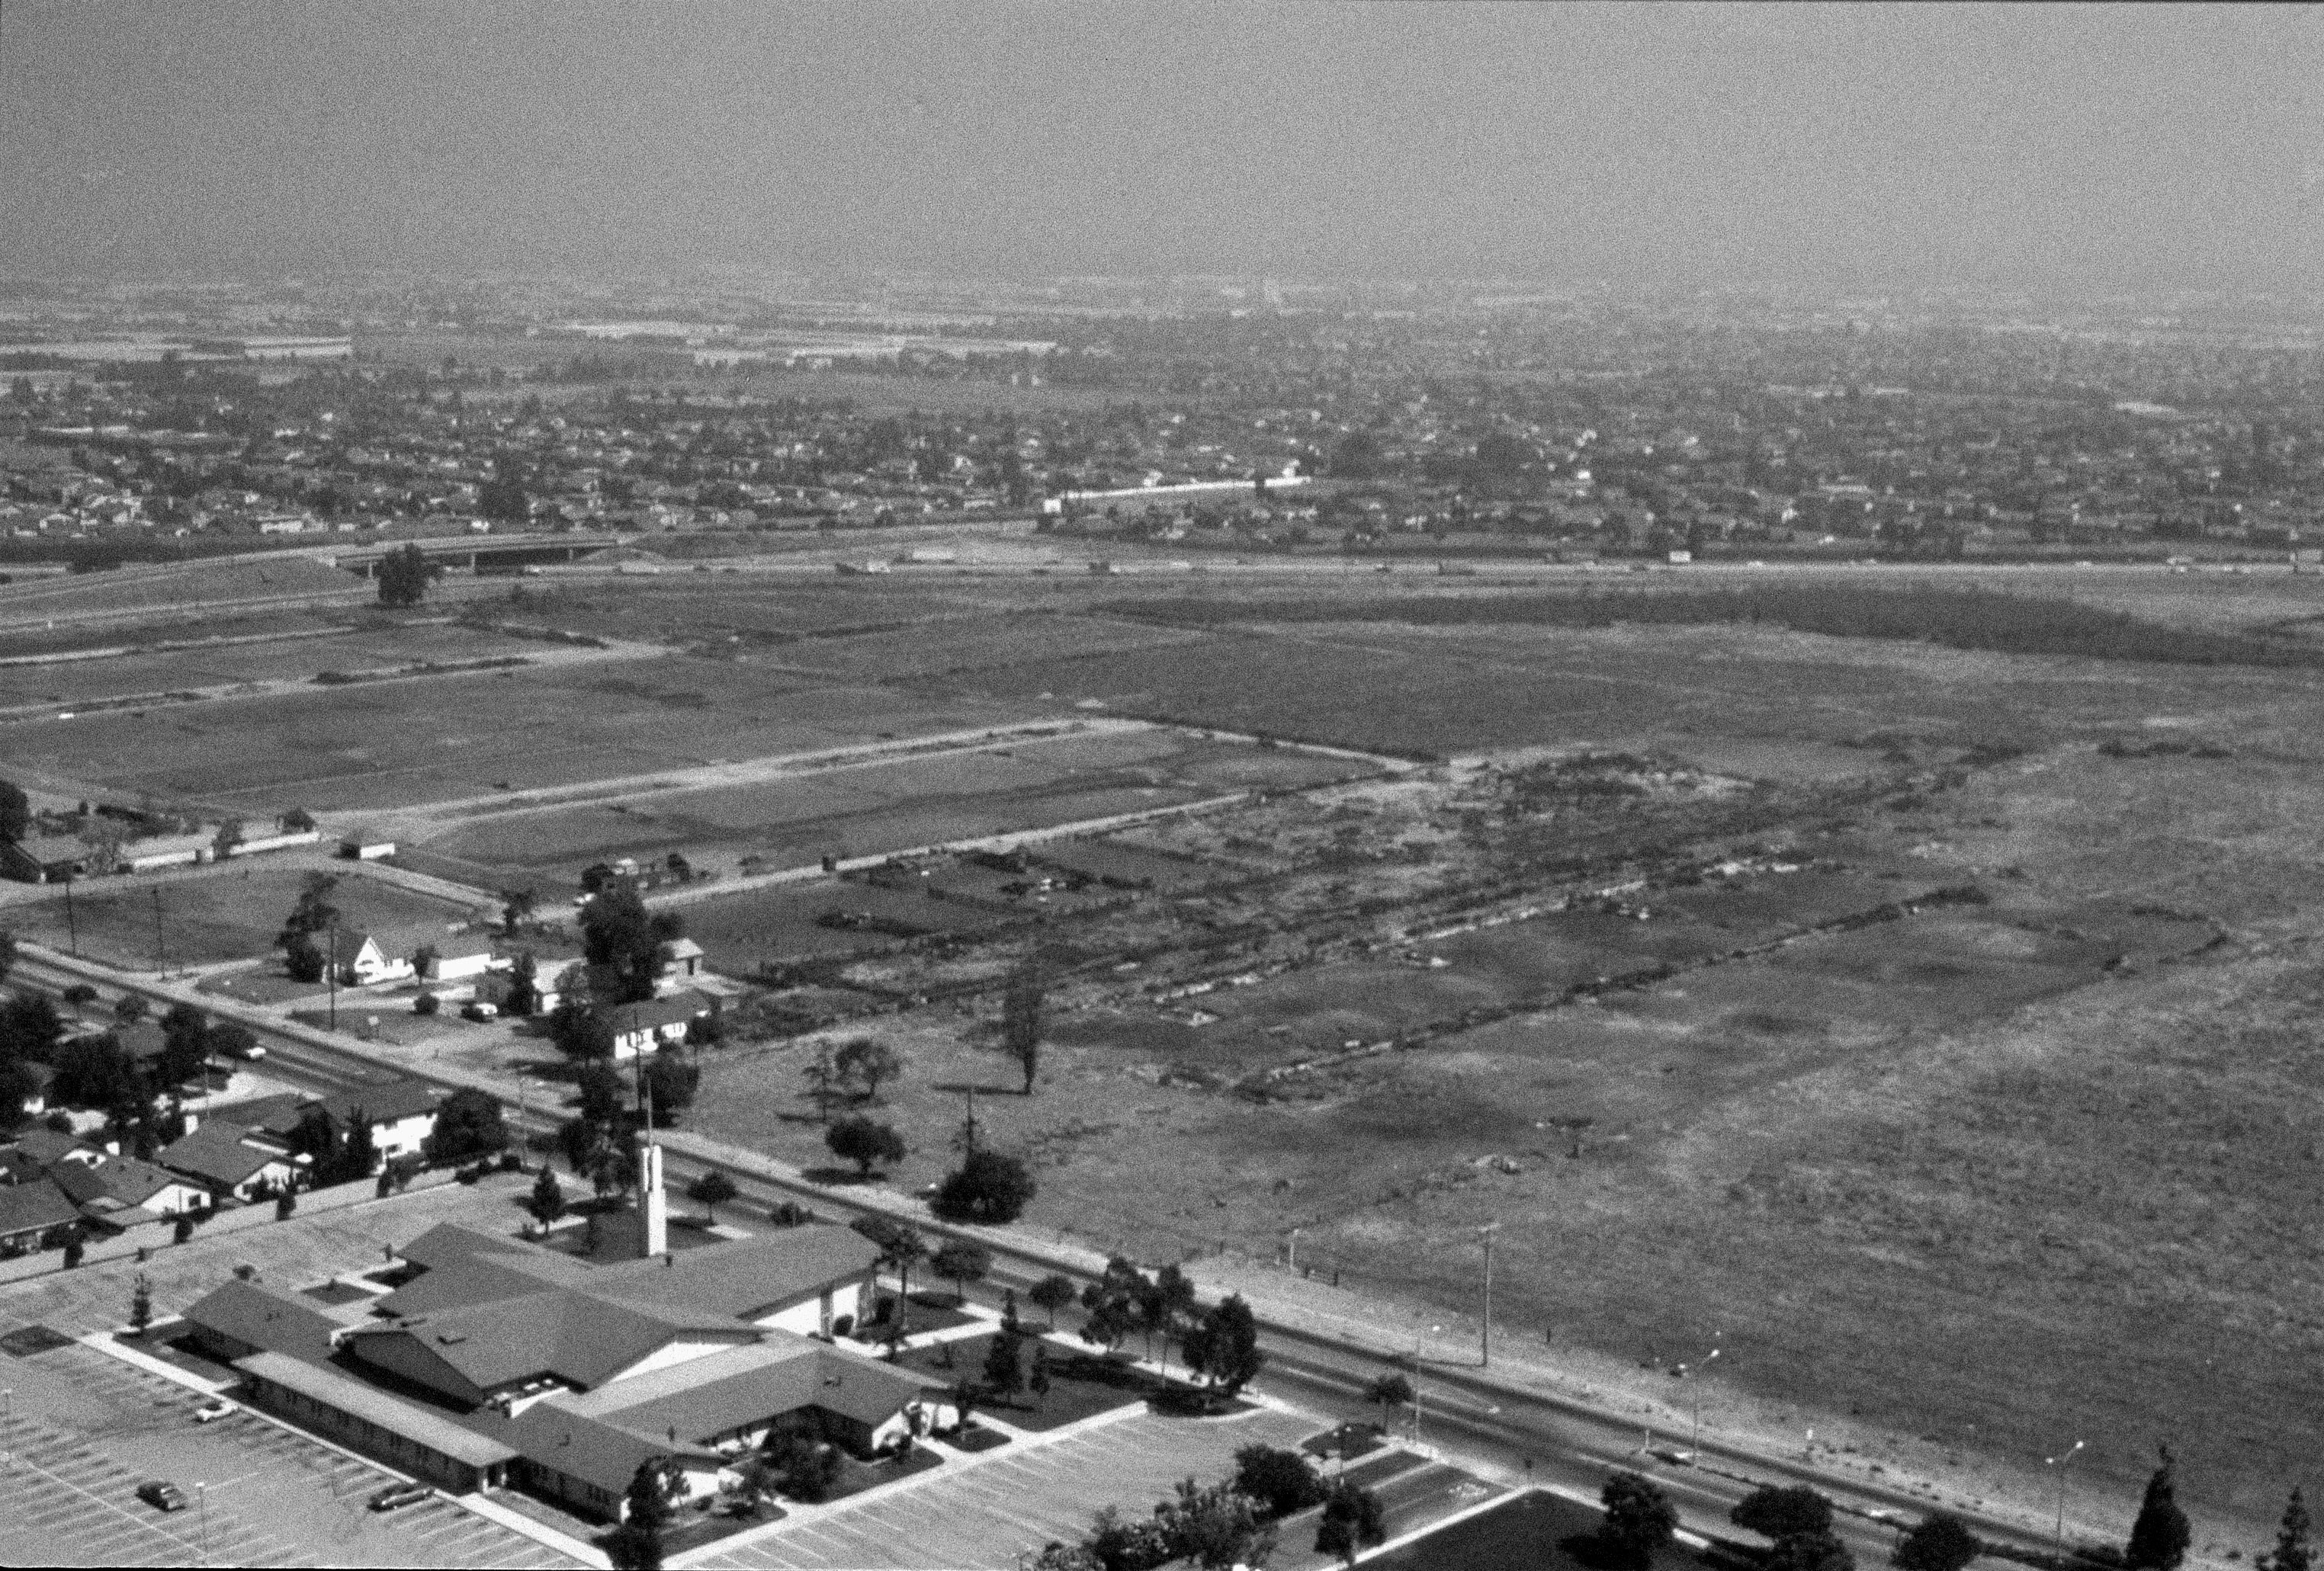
(213, 1412)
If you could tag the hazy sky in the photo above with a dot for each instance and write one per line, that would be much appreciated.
(2116, 146)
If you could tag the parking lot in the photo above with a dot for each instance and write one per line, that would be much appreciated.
(83, 1430)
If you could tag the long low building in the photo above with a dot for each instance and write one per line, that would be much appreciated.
(503, 1362)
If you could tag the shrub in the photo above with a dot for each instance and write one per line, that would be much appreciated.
(1282, 1481)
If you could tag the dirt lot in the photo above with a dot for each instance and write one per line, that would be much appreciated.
(1942, 1185)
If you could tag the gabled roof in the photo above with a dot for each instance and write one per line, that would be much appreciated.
(117, 1181)
(462, 944)
(653, 1014)
(747, 1277)
(383, 1102)
(577, 1338)
(720, 1392)
(216, 1154)
(265, 1319)
(327, 1386)
(46, 1147)
(34, 1207)
(141, 1038)
(591, 1451)
(277, 1115)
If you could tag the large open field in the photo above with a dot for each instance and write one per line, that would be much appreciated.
(217, 914)
(1955, 1182)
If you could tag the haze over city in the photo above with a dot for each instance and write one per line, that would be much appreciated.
(2032, 146)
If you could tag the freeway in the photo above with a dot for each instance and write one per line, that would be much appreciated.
(1498, 1427)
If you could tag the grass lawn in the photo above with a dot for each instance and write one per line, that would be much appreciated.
(1080, 1384)
(1533, 1531)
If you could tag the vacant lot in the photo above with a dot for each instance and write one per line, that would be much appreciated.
(378, 745)
(225, 913)
(864, 810)
(1949, 1182)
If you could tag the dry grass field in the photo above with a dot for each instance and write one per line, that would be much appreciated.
(1961, 1183)
(222, 914)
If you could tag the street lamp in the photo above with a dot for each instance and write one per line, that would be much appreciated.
(1485, 1346)
(2060, 1464)
(202, 1495)
(1434, 1331)
(1683, 1373)
(8, 1396)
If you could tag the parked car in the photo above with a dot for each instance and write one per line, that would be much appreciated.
(396, 1496)
(161, 1495)
(212, 1413)
(477, 1009)
(1676, 1458)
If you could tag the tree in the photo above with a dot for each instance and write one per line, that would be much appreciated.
(713, 1188)
(1352, 1522)
(868, 1064)
(548, 1201)
(867, 1144)
(1223, 1345)
(1391, 1391)
(30, 1028)
(1282, 1481)
(2293, 1551)
(1938, 1543)
(185, 1044)
(605, 1095)
(403, 577)
(76, 1241)
(517, 907)
(578, 1031)
(960, 1261)
(901, 1247)
(655, 1490)
(93, 1071)
(1780, 1513)
(754, 1485)
(987, 1187)
(16, 810)
(1810, 1552)
(8, 954)
(302, 959)
(619, 935)
(822, 1081)
(1215, 1528)
(1004, 1369)
(1639, 1521)
(1022, 1022)
(18, 1085)
(523, 995)
(1051, 1293)
(2160, 1537)
(806, 1467)
(467, 1123)
(141, 1304)
(230, 1039)
(670, 1082)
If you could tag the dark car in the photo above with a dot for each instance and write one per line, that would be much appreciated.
(396, 1496)
(161, 1495)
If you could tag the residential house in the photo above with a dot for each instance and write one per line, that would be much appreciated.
(122, 1192)
(233, 1163)
(402, 1116)
(30, 1211)
(645, 1027)
(368, 961)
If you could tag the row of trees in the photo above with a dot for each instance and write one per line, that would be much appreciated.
(1231, 1524)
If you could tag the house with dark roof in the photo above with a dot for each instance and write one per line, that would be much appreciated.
(232, 1164)
(122, 1192)
(645, 1026)
(30, 1211)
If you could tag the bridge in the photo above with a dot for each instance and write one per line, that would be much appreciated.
(478, 553)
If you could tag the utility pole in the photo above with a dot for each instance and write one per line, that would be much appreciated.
(1485, 1347)
(72, 924)
(332, 971)
(160, 954)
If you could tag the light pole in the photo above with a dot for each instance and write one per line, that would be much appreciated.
(202, 1495)
(2060, 1464)
(1434, 1331)
(1485, 1346)
(8, 1396)
(1291, 1261)
(1683, 1372)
